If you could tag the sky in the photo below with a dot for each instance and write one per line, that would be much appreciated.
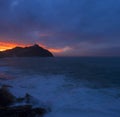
(65, 27)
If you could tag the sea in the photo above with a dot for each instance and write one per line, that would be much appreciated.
(70, 86)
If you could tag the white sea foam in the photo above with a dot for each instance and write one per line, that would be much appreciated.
(71, 87)
(65, 99)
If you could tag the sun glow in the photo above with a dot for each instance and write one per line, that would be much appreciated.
(55, 50)
(5, 45)
(60, 50)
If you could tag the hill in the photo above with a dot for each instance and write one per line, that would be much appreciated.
(31, 51)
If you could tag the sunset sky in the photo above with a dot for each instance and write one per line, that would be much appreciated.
(65, 27)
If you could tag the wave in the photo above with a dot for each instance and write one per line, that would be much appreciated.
(65, 98)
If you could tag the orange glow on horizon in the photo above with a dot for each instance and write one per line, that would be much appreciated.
(60, 50)
(5, 46)
(53, 50)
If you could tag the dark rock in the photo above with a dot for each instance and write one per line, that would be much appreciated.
(7, 109)
(32, 51)
(6, 98)
(39, 111)
(22, 111)
(28, 99)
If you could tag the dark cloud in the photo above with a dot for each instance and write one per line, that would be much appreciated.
(82, 25)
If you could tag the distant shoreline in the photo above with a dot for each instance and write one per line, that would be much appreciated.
(31, 51)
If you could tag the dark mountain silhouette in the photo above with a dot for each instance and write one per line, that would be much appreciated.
(31, 51)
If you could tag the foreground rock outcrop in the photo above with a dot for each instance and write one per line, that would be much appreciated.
(22, 111)
(10, 106)
(6, 98)
(31, 51)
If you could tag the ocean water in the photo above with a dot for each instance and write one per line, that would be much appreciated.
(71, 87)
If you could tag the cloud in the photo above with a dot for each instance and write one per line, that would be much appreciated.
(60, 50)
(80, 24)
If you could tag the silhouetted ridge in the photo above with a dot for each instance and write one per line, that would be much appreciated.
(31, 51)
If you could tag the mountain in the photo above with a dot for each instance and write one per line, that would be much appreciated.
(31, 51)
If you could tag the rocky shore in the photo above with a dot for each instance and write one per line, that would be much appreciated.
(10, 106)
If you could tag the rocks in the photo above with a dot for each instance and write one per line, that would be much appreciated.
(6, 98)
(22, 111)
(8, 106)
